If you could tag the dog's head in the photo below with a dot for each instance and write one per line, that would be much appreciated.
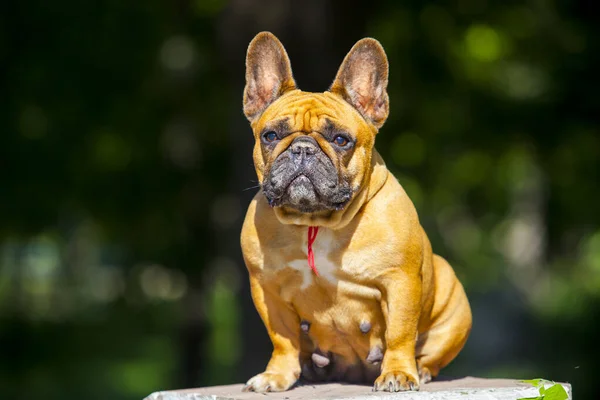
(313, 151)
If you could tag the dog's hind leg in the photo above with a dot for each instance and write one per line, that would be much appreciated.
(450, 325)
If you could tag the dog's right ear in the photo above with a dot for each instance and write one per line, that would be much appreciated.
(268, 74)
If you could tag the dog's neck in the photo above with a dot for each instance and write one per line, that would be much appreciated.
(374, 181)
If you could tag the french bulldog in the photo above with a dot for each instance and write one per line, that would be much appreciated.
(341, 271)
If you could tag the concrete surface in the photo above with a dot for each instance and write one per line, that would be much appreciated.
(443, 388)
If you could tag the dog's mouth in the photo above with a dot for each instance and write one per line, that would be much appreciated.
(302, 181)
(302, 194)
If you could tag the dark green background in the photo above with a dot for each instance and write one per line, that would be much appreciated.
(125, 159)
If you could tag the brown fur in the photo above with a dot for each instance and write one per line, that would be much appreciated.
(375, 261)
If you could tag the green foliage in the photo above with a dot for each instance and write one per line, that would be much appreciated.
(555, 391)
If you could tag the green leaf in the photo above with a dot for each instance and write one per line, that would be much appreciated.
(556, 392)
(538, 382)
(534, 382)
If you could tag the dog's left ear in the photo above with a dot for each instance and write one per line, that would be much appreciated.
(362, 80)
(268, 74)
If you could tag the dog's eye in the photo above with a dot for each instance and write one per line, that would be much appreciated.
(340, 140)
(270, 137)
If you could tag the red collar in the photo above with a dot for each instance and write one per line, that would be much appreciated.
(312, 235)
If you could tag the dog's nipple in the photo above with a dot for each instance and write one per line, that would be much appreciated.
(320, 360)
(305, 326)
(375, 355)
(365, 326)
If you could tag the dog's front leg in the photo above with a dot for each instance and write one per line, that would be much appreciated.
(401, 305)
(283, 326)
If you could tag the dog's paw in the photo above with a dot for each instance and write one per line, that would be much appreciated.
(424, 375)
(395, 381)
(269, 382)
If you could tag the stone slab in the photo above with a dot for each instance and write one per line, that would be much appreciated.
(443, 388)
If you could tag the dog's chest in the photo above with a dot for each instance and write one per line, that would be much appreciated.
(335, 303)
(335, 267)
(327, 265)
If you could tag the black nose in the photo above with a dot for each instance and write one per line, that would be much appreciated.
(304, 146)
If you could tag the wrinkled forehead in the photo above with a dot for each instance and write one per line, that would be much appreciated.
(309, 112)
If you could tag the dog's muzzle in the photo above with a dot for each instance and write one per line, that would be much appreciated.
(305, 178)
